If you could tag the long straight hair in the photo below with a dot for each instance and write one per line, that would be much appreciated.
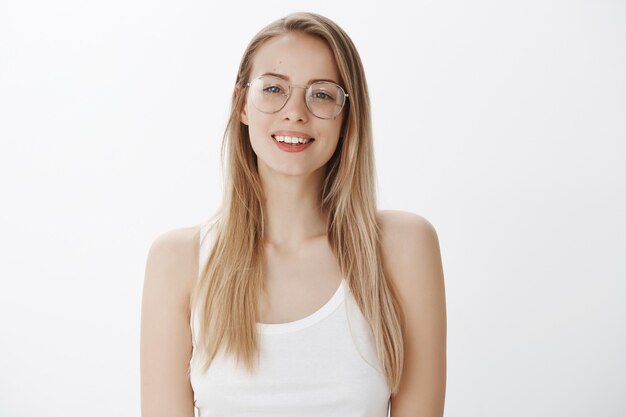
(225, 296)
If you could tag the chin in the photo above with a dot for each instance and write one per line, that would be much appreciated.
(294, 173)
(291, 171)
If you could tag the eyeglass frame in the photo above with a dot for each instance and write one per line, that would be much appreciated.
(306, 87)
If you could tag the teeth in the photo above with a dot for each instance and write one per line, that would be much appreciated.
(291, 139)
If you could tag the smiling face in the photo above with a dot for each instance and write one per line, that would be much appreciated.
(300, 60)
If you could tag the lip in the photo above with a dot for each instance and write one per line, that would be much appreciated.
(287, 147)
(292, 133)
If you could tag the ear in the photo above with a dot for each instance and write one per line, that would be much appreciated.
(244, 114)
(244, 111)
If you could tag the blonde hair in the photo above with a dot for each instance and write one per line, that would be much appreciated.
(226, 293)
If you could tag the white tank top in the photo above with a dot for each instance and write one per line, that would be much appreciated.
(323, 365)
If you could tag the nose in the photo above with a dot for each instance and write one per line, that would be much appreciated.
(295, 108)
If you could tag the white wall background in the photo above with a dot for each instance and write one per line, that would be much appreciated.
(503, 123)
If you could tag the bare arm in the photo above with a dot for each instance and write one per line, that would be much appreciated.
(171, 269)
(412, 258)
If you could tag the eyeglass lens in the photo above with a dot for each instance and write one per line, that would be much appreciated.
(324, 99)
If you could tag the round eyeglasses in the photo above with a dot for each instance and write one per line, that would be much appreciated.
(324, 99)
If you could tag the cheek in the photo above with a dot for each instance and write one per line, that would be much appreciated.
(258, 127)
(337, 131)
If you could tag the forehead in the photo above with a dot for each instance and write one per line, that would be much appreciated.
(299, 57)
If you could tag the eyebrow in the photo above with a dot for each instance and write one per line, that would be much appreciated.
(286, 78)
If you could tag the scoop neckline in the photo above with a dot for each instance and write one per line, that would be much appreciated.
(321, 313)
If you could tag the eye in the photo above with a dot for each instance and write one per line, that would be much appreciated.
(322, 95)
(273, 89)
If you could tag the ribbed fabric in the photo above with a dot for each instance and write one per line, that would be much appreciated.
(323, 365)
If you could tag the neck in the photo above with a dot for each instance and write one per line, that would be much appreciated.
(292, 208)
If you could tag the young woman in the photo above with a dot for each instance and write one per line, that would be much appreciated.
(298, 298)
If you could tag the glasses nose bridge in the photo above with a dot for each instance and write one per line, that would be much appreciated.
(291, 87)
(298, 86)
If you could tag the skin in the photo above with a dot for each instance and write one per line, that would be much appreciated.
(296, 228)
(299, 264)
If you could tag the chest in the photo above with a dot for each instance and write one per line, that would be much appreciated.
(326, 368)
(297, 283)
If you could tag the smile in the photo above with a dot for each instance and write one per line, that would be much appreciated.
(292, 139)
(292, 143)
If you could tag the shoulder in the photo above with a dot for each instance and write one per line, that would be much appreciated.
(175, 244)
(410, 251)
(166, 338)
(172, 263)
(412, 264)
(403, 232)
(397, 220)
